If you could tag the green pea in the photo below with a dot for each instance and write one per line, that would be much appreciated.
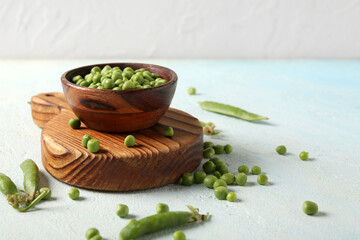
(262, 179)
(281, 149)
(219, 149)
(91, 232)
(127, 74)
(180, 180)
(216, 160)
(222, 169)
(115, 76)
(108, 83)
(129, 69)
(96, 78)
(74, 193)
(84, 84)
(95, 70)
(228, 148)
(169, 132)
(93, 145)
(209, 181)
(96, 237)
(199, 177)
(179, 235)
(152, 83)
(100, 87)
(154, 75)
(188, 179)
(47, 196)
(217, 174)
(137, 78)
(122, 210)
(208, 144)
(128, 85)
(160, 82)
(105, 69)
(243, 169)
(219, 182)
(256, 170)
(147, 75)
(116, 69)
(231, 197)
(162, 207)
(140, 70)
(209, 167)
(118, 82)
(220, 193)
(88, 77)
(310, 208)
(77, 78)
(191, 90)
(241, 179)
(85, 140)
(146, 86)
(208, 152)
(304, 156)
(79, 82)
(116, 88)
(229, 178)
(93, 85)
(129, 141)
(74, 123)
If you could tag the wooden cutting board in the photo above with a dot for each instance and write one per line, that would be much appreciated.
(155, 161)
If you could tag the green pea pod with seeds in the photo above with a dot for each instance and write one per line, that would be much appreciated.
(230, 111)
(33, 203)
(159, 222)
(7, 187)
(31, 178)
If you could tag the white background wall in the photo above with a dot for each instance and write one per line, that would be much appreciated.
(180, 29)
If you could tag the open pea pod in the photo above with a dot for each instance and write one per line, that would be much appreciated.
(31, 177)
(7, 187)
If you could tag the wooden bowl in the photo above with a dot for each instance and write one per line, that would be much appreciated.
(120, 110)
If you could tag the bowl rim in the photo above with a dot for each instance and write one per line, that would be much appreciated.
(69, 83)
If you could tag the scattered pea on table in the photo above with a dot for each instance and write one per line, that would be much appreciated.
(304, 156)
(209, 181)
(256, 170)
(162, 207)
(281, 150)
(231, 196)
(74, 193)
(209, 167)
(262, 179)
(208, 152)
(74, 123)
(241, 179)
(179, 235)
(229, 178)
(310, 208)
(169, 132)
(191, 90)
(228, 148)
(93, 145)
(199, 177)
(91, 232)
(219, 149)
(85, 140)
(208, 144)
(220, 192)
(188, 179)
(219, 182)
(122, 210)
(129, 141)
(243, 169)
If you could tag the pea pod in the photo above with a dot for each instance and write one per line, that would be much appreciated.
(7, 187)
(33, 203)
(230, 111)
(31, 177)
(159, 222)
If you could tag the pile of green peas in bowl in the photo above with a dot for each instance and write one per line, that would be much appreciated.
(117, 79)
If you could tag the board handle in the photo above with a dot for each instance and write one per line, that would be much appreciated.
(45, 106)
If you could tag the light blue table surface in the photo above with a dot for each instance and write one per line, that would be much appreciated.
(313, 106)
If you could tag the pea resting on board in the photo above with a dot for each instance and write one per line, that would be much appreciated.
(159, 222)
(231, 111)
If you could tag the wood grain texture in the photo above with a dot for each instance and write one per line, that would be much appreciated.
(154, 161)
(120, 110)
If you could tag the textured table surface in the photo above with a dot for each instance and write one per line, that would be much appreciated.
(313, 106)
